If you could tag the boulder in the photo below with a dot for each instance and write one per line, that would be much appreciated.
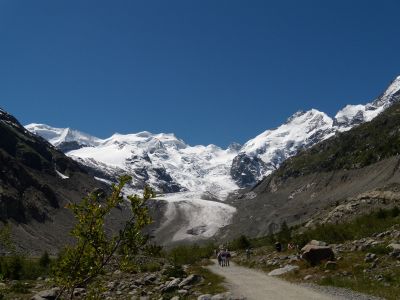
(395, 247)
(284, 270)
(47, 294)
(191, 279)
(204, 297)
(315, 254)
(370, 257)
(171, 285)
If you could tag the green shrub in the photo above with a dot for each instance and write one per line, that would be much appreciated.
(379, 249)
(150, 267)
(190, 254)
(19, 288)
(44, 260)
(395, 211)
(240, 243)
(174, 271)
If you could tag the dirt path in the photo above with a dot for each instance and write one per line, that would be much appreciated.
(255, 285)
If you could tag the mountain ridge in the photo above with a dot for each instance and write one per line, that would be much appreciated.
(171, 165)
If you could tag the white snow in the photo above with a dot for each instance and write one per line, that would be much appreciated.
(62, 176)
(350, 113)
(197, 168)
(276, 145)
(56, 136)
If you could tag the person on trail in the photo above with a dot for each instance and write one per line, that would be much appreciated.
(223, 258)
(278, 247)
(248, 252)
(227, 257)
(219, 258)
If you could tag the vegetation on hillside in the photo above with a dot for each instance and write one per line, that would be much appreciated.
(362, 146)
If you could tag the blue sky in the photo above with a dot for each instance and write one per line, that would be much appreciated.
(209, 71)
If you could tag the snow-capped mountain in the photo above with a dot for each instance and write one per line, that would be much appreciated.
(352, 115)
(65, 139)
(263, 154)
(161, 160)
(169, 164)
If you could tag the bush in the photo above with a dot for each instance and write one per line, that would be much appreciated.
(44, 260)
(240, 243)
(379, 249)
(174, 271)
(18, 267)
(190, 254)
(395, 211)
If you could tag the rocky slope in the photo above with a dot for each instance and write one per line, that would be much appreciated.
(36, 182)
(266, 152)
(346, 166)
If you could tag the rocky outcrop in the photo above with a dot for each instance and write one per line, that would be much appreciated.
(315, 254)
(247, 170)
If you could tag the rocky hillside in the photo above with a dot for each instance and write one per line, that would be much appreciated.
(266, 152)
(347, 166)
(36, 182)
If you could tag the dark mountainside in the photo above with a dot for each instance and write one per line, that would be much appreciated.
(33, 194)
(358, 165)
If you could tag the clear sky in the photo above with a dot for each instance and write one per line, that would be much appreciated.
(209, 71)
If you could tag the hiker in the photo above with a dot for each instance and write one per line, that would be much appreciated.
(248, 252)
(219, 258)
(227, 257)
(223, 258)
(278, 247)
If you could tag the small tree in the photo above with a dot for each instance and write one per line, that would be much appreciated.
(80, 264)
(6, 243)
(44, 260)
(285, 234)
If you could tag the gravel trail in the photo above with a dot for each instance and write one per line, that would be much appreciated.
(256, 285)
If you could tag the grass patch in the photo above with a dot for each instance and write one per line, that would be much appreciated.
(212, 283)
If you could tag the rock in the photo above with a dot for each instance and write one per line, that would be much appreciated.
(175, 298)
(330, 265)
(182, 292)
(191, 279)
(395, 247)
(2, 285)
(317, 243)
(204, 297)
(370, 257)
(172, 285)
(223, 296)
(79, 292)
(308, 277)
(112, 285)
(150, 278)
(315, 254)
(284, 270)
(47, 294)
